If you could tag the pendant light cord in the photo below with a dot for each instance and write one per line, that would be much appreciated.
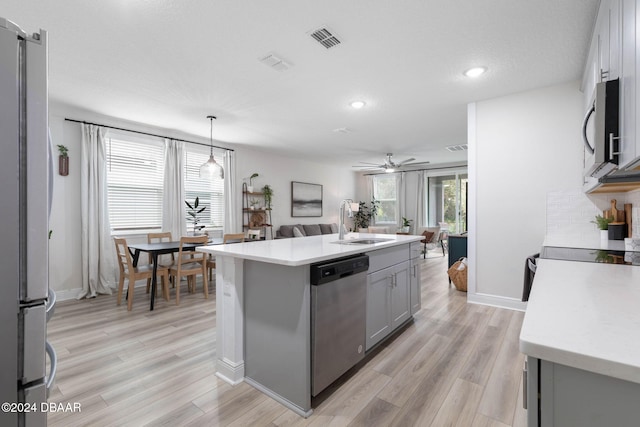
(211, 135)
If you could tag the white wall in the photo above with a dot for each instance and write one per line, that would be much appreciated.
(521, 146)
(64, 247)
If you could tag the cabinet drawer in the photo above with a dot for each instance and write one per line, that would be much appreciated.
(383, 258)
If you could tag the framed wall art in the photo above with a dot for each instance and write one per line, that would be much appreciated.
(306, 199)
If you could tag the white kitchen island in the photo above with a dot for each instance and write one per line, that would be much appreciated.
(581, 334)
(263, 307)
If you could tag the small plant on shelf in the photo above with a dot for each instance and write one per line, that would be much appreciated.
(602, 222)
(268, 195)
(250, 186)
(254, 203)
(193, 212)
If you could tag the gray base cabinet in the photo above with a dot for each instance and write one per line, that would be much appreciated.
(414, 279)
(559, 395)
(388, 301)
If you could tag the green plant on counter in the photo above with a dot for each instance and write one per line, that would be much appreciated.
(602, 222)
(406, 222)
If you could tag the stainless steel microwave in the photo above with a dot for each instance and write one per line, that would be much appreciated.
(600, 130)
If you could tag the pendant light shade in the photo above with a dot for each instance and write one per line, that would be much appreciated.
(211, 169)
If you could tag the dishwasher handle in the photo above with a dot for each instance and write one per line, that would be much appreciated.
(337, 269)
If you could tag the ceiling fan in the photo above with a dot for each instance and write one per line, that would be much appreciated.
(389, 164)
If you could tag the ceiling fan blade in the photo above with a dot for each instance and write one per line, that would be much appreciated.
(415, 164)
(404, 162)
(366, 167)
(369, 163)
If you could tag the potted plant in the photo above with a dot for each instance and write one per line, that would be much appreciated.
(365, 215)
(254, 203)
(603, 225)
(193, 212)
(250, 186)
(63, 160)
(268, 195)
(406, 225)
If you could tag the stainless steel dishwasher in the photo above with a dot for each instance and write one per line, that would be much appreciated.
(338, 318)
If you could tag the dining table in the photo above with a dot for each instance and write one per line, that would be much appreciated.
(162, 248)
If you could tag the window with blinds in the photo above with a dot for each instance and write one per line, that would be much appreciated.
(209, 191)
(384, 191)
(135, 171)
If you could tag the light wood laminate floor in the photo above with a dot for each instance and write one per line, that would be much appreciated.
(456, 364)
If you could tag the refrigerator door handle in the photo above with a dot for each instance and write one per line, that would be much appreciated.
(53, 358)
(51, 304)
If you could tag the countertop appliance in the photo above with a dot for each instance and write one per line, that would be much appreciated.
(25, 167)
(338, 318)
(600, 130)
(608, 256)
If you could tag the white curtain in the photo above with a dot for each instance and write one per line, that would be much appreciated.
(230, 193)
(401, 196)
(98, 250)
(420, 217)
(173, 207)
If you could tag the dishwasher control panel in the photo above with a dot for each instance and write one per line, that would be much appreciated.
(335, 269)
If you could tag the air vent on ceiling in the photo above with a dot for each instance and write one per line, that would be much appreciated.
(274, 62)
(461, 147)
(343, 130)
(325, 37)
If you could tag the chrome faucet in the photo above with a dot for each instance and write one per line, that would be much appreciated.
(347, 203)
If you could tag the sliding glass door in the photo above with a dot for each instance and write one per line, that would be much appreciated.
(447, 201)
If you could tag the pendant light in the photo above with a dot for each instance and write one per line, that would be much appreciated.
(211, 168)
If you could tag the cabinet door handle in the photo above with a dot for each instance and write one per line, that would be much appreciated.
(391, 281)
(524, 385)
(415, 271)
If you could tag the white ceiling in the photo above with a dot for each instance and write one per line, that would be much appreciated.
(170, 63)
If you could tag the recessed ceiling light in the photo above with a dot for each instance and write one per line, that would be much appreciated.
(358, 104)
(475, 72)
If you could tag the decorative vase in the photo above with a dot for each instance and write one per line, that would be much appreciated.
(249, 189)
(63, 165)
(604, 235)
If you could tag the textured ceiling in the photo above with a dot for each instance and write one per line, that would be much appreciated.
(170, 63)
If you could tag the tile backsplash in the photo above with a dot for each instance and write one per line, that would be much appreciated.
(570, 212)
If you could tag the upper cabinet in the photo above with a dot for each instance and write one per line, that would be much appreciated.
(612, 55)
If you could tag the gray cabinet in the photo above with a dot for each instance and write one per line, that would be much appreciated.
(414, 279)
(388, 301)
(560, 395)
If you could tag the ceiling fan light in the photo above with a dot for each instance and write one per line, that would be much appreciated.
(389, 170)
(358, 104)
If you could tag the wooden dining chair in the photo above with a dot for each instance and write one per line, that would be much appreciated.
(190, 263)
(128, 271)
(226, 238)
(164, 260)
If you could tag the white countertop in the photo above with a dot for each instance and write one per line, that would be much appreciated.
(585, 315)
(305, 250)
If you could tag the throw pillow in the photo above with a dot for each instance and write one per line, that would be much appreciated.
(428, 236)
(325, 228)
(312, 229)
(297, 232)
(334, 228)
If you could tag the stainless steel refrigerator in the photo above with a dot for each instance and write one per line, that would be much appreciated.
(25, 159)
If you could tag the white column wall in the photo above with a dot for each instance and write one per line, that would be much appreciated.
(521, 147)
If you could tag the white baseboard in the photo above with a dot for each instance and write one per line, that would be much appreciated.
(230, 372)
(67, 294)
(496, 301)
(275, 396)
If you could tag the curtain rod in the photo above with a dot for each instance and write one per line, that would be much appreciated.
(147, 133)
(418, 170)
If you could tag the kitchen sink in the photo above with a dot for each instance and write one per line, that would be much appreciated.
(361, 241)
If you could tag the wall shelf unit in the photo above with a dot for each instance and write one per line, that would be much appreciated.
(255, 214)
